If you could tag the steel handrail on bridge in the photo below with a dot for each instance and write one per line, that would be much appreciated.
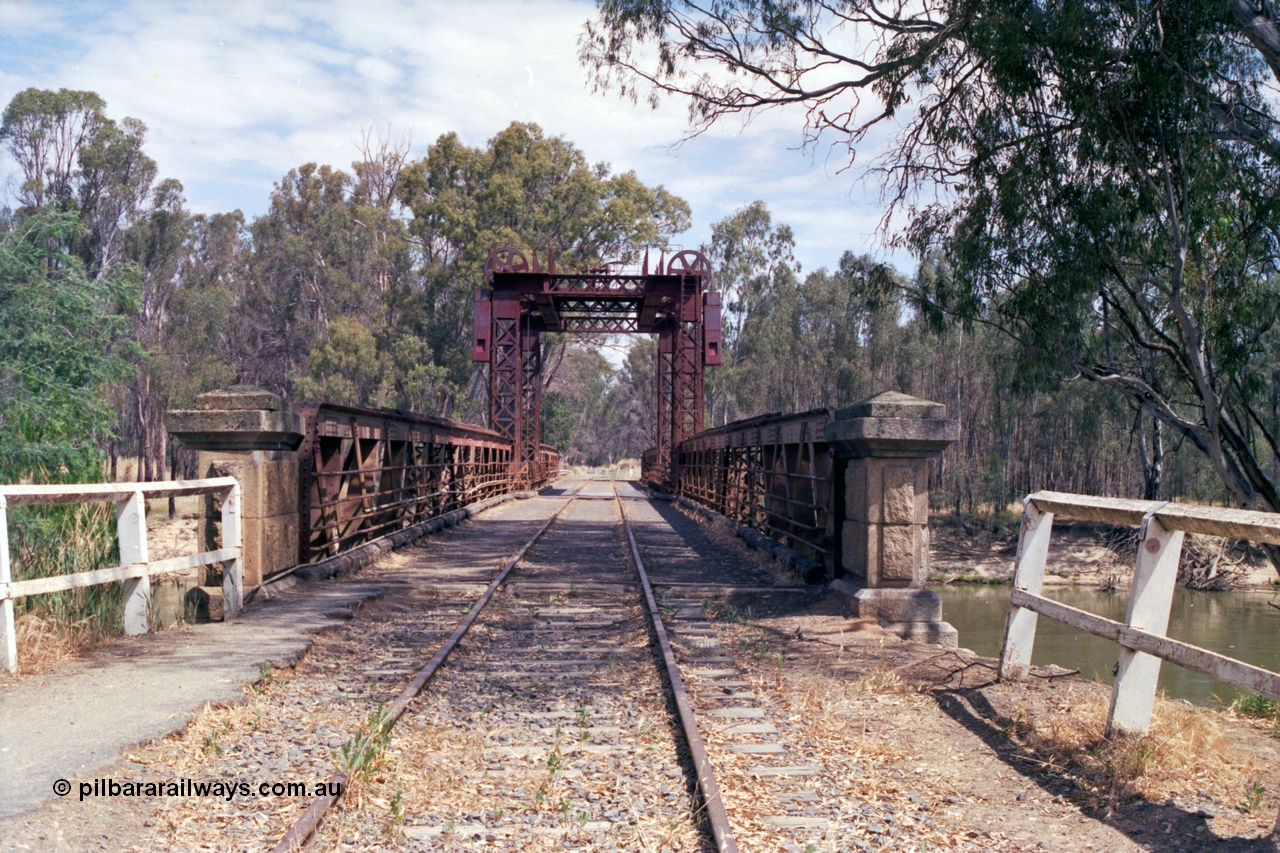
(773, 473)
(369, 472)
(131, 531)
(1142, 640)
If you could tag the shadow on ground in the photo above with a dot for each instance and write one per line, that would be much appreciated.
(1159, 827)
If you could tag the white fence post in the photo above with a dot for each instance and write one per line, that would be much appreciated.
(131, 527)
(232, 572)
(1133, 694)
(1020, 626)
(8, 638)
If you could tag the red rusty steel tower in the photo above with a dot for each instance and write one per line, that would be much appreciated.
(672, 301)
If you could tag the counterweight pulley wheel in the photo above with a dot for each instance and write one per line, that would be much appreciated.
(689, 262)
(505, 259)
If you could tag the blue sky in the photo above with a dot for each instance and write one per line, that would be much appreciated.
(235, 93)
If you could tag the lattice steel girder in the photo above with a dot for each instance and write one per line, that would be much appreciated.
(530, 395)
(613, 284)
(333, 421)
(649, 298)
(604, 325)
(597, 306)
(505, 366)
(371, 471)
(624, 286)
(776, 473)
(663, 440)
(686, 377)
(762, 430)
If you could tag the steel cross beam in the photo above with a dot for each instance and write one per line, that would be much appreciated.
(672, 301)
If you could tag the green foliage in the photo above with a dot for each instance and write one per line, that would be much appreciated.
(1115, 235)
(754, 269)
(1255, 705)
(62, 343)
(1253, 797)
(66, 306)
(362, 754)
(345, 367)
(523, 189)
(74, 158)
(63, 340)
(45, 131)
(1097, 181)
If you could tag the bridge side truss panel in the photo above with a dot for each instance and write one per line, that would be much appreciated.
(775, 474)
(369, 473)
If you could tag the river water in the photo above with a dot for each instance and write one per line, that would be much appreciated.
(1241, 625)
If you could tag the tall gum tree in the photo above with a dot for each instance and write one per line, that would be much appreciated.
(74, 158)
(1101, 177)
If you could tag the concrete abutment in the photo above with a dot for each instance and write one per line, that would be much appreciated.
(249, 434)
(883, 446)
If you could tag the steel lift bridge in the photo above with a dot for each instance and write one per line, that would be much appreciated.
(672, 299)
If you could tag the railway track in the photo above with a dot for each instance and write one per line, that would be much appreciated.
(552, 712)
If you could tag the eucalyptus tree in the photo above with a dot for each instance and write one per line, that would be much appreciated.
(74, 158)
(45, 132)
(76, 161)
(1101, 177)
(524, 189)
(849, 319)
(332, 247)
(580, 414)
(753, 265)
(211, 322)
(156, 245)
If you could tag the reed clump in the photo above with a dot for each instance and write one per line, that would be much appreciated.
(58, 540)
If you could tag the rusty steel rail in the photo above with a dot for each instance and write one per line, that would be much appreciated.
(370, 472)
(303, 830)
(305, 827)
(717, 816)
(774, 473)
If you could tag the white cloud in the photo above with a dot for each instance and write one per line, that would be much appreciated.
(235, 94)
(378, 71)
(22, 18)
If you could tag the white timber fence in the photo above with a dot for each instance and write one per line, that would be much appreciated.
(1143, 644)
(135, 567)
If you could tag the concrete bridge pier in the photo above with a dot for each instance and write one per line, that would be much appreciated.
(882, 448)
(250, 434)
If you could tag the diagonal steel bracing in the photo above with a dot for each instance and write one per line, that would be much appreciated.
(670, 300)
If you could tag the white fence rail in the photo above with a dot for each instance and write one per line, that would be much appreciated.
(1143, 644)
(131, 528)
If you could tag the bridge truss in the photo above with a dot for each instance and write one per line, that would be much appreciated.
(671, 300)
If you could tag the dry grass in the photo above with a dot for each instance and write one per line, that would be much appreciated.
(435, 769)
(1187, 748)
(45, 640)
(836, 724)
(65, 625)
